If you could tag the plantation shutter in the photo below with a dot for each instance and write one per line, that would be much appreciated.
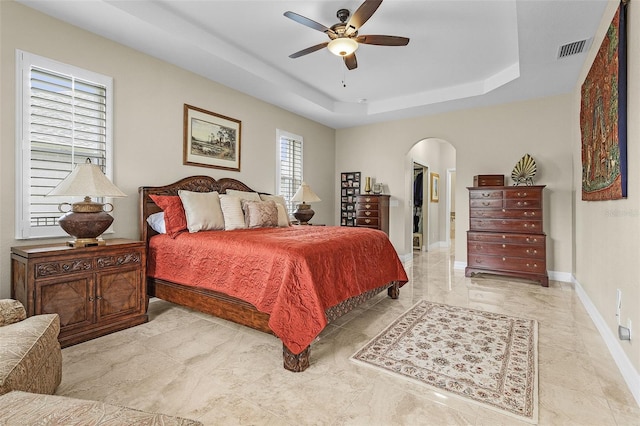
(290, 167)
(65, 120)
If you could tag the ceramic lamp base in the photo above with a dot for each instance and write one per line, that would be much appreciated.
(304, 213)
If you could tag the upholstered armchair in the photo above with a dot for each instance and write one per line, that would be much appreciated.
(30, 355)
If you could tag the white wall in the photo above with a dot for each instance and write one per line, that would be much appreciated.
(149, 98)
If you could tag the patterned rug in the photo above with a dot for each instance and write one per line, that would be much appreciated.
(490, 359)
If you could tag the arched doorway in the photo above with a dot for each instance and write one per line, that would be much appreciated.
(430, 212)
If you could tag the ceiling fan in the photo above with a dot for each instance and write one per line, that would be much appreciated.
(344, 35)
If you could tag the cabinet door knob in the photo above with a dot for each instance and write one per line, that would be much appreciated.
(90, 299)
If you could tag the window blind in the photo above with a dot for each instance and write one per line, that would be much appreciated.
(290, 168)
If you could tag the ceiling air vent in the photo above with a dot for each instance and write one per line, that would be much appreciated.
(572, 48)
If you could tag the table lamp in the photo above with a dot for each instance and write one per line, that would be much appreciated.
(305, 195)
(86, 220)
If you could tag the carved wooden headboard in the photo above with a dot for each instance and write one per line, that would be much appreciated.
(191, 183)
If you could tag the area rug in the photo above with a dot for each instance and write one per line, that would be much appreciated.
(487, 358)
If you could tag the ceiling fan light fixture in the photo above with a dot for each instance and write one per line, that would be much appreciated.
(342, 46)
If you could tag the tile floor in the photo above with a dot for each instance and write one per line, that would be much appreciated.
(192, 365)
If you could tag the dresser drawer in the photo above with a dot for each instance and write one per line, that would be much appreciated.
(366, 221)
(506, 225)
(366, 199)
(506, 249)
(485, 203)
(522, 204)
(506, 263)
(523, 193)
(531, 240)
(506, 213)
(367, 213)
(487, 194)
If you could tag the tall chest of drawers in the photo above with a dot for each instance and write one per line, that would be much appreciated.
(372, 211)
(506, 234)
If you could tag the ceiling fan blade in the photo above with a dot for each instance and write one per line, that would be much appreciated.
(382, 40)
(309, 50)
(350, 61)
(308, 22)
(362, 15)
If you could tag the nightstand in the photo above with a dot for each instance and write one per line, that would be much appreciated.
(95, 290)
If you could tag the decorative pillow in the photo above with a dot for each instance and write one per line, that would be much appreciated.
(283, 217)
(203, 210)
(260, 214)
(175, 220)
(244, 195)
(283, 214)
(156, 222)
(232, 212)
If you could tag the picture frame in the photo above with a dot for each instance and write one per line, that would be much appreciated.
(211, 140)
(434, 187)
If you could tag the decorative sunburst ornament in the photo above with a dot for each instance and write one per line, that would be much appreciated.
(524, 171)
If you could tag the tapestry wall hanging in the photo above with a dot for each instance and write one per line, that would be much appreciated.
(603, 117)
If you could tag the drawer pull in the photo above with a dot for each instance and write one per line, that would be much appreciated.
(367, 213)
(90, 299)
(522, 194)
(532, 240)
(504, 246)
(529, 251)
(504, 259)
(367, 221)
(504, 236)
(367, 206)
(367, 200)
(486, 194)
(529, 213)
(486, 203)
(535, 265)
(523, 203)
(504, 222)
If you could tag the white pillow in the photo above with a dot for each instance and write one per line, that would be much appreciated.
(244, 195)
(202, 209)
(156, 222)
(232, 212)
(283, 214)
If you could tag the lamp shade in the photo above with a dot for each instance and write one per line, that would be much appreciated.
(305, 194)
(342, 46)
(87, 180)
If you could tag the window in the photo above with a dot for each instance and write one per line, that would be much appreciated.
(64, 116)
(289, 168)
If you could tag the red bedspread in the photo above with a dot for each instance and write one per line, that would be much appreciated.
(294, 274)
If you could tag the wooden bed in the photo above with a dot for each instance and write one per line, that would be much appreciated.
(220, 304)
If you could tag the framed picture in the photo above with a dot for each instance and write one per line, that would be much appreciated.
(211, 140)
(435, 187)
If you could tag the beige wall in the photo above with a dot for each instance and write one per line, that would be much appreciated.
(607, 233)
(486, 141)
(149, 96)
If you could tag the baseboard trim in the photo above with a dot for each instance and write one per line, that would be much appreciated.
(629, 373)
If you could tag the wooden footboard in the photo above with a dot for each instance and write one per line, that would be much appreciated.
(236, 310)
